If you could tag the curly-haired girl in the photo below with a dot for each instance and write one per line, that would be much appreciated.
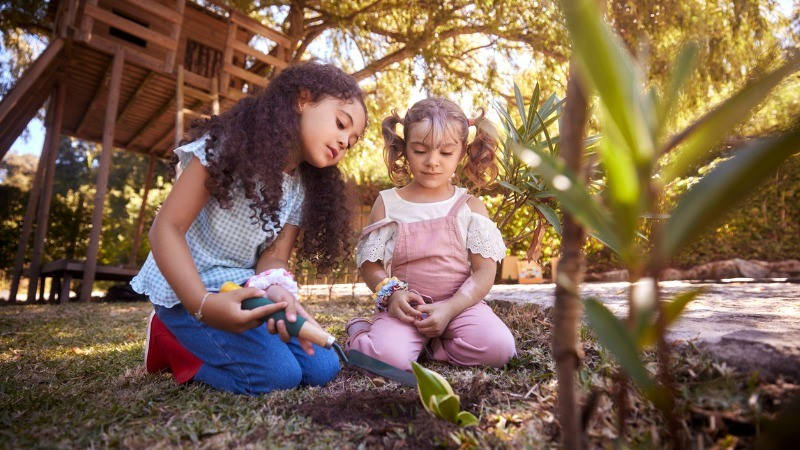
(430, 252)
(252, 181)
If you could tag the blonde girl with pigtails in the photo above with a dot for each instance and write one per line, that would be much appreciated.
(430, 251)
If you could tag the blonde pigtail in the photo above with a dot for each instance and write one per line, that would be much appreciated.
(394, 150)
(481, 167)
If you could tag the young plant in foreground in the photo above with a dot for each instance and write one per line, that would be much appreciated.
(439, 399)
(638, 162)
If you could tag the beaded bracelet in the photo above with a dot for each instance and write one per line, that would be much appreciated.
(267, 278)
(385, 289)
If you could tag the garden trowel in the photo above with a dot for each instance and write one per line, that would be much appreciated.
(307, 330)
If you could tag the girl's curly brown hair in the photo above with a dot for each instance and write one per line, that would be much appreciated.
(249, 145)
(480, 169)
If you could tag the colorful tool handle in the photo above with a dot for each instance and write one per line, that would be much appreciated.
(299, 328)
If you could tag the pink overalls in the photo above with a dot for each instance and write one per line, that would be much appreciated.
(429, 255)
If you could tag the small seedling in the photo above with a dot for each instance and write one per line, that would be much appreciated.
(439, 399)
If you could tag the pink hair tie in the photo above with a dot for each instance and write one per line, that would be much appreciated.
(470, 122)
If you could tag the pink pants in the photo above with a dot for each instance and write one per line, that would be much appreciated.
(474, 337)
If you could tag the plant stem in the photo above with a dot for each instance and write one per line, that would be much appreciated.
(568, 308)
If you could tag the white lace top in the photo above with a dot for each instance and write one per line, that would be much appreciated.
(479, 233)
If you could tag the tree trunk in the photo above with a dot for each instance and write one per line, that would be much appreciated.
(568, 307)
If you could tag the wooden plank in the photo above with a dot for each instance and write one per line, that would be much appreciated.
(175, 34)
(261, 56)
(47, 190)
(197, 81)
(102, 174)
(196, 114)
(131, 27)
(132, 55)
(135, 96)
(235, 94)
(156, 117)
(179, 106)
(67, 17)
(256, 27)
(30, 209)
(245, 75)
(25, 110)
(96, 99)
(227, 56)
(196, 92)
(87, 22)
(137, 237)
(164, 139)
(30, 76)
(172, 15)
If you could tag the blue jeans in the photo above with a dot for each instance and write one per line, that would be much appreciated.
(252, 362)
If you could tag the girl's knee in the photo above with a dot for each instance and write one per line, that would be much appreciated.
(286, 375)
(492, 349)
(324, 367)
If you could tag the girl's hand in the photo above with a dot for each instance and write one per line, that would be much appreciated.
(400, 306)
(439, 316)
(224, 310)
(280, 294)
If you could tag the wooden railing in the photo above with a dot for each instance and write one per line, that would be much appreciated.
(169, 42)
(235, 47)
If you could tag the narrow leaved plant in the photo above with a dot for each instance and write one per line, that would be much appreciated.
(638, 160)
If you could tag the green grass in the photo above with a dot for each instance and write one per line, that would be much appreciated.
(72, 376)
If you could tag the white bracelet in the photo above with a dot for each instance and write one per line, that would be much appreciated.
(267, 278)
(199, 314)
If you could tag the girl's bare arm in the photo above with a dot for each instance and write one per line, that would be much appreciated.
(372, 271)
(483, 272)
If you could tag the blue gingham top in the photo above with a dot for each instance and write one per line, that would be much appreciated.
(225, 243)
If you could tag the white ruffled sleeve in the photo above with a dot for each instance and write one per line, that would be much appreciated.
(378, 245)
(483, 238)
(196, 148)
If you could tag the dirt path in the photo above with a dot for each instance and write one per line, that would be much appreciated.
(752, 326)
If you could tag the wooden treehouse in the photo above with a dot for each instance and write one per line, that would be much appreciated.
(128, 74)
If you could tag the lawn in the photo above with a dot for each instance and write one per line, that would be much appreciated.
(72, 376)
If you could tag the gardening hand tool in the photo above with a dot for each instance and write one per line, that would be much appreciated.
(304, 329)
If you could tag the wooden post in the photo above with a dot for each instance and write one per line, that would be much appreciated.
(175, 34)
(102, 175)
(227, 58)
(137, 239)
(179, 106)
(47, 192)
(215, 95)
(33, 202)
(86, 24)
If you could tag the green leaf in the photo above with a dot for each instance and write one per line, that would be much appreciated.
(429, 383)
(550, 215)
(571, 193)
(624, 189)
(466, 419)
(672, 311)
(532, 107)
(608, 67)
(448, 406)
(520, 105)
(725, 186)
(611, 332)
(510, 186)
(708, 131)
(508, 123)
(681, 71)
